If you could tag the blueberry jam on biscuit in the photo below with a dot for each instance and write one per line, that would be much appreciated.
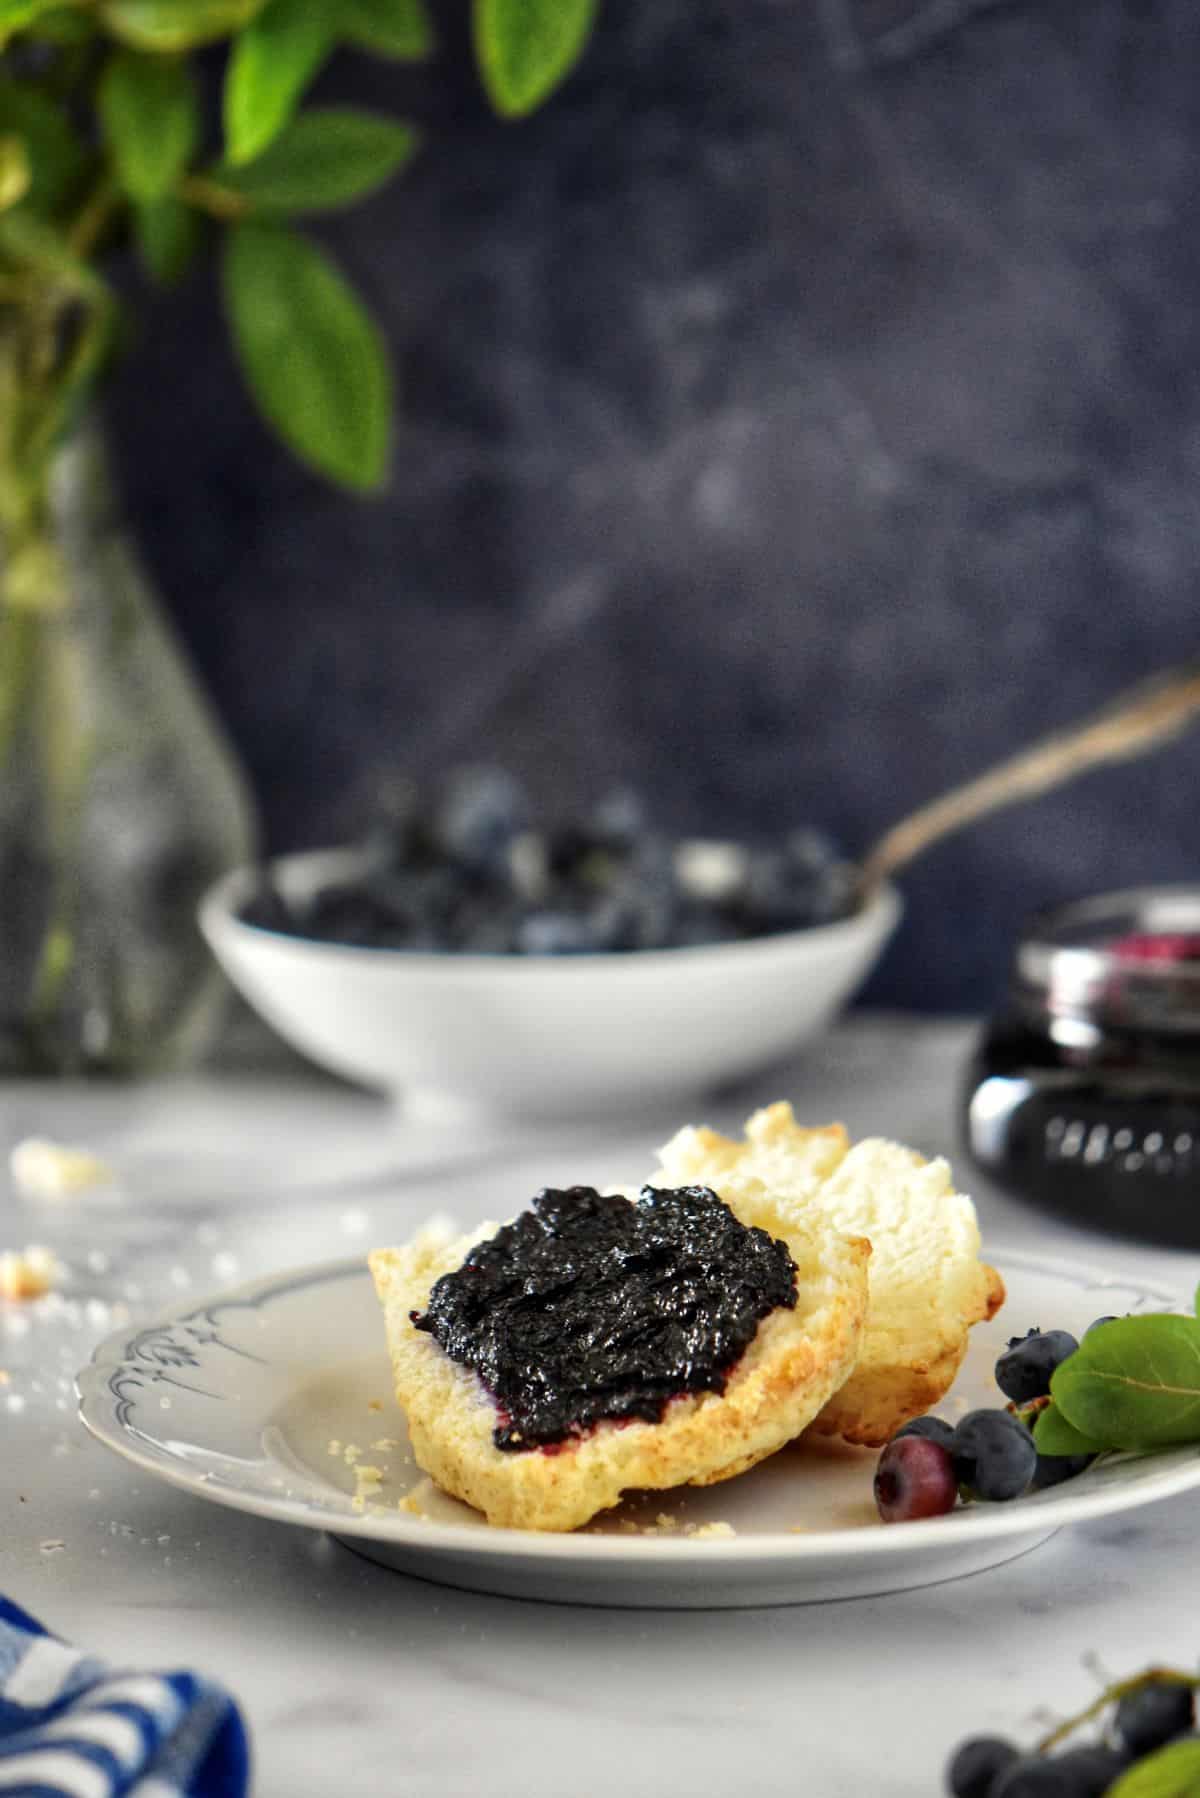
(587, 1307)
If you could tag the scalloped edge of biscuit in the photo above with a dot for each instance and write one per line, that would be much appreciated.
(911, 1351)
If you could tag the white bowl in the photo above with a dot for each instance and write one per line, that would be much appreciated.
(538, 1036)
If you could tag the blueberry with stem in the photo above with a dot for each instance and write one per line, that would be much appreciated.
(977, 1765)
(1155, 1715)
(1024, 1370)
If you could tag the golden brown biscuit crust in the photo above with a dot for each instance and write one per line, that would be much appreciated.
(796, 1361)
(928, 1285)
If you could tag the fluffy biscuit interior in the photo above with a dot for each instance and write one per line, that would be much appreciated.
(796, 1360)
(927, 1282)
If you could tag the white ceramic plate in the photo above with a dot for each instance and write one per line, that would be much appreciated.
(254, 1399)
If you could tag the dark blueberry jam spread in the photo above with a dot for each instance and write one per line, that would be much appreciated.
(589, 1307)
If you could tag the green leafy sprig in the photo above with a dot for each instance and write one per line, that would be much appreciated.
(1133, 1384)
(103, 138)
(1172, 1771)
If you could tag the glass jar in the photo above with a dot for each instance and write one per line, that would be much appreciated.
(120, 800)
(1083, 1095)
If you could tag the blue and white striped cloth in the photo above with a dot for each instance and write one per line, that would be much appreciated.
(71, 1727)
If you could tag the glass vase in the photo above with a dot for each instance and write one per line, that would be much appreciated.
(120, 800)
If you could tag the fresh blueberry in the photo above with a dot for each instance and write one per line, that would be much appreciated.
(835, 893)
(1024, 1369)
(1052, 1470)
(777, 895)
(697, 923)
(555, 933)
(809, 851)
(1092, 1769)
(463, 871)
(1039, 1776)
(575, 856)
(593, 851)
(646, 899)
(824, 884)
(417, 896)
(399, 833)
(935, 1429)
(977, 1764)
(479, 813)
(619, 820)
(347, 915)
(994, 1455)
(1156, 1714)
(914, 1478)
(613, 925)
(267, 907)
(484, 923)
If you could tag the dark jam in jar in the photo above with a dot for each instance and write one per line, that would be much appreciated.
(1084, 1092)
(589, 1307)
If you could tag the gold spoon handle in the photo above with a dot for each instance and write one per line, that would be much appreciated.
(1152, 713)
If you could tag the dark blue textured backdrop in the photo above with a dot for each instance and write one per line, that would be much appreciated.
(800, 413)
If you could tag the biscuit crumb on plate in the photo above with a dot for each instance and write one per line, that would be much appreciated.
(50, 1170)
(414, 1502)
(367, 1481)
(27, 1273)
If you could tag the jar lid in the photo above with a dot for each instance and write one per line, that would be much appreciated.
(1127, 961)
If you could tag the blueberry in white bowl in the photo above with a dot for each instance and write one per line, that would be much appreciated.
(468, 868)
(467, 953)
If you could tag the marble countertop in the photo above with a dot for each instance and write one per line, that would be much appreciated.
(349, 1672)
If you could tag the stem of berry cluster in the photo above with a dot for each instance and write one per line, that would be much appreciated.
(1153, 1676)
(43, 724)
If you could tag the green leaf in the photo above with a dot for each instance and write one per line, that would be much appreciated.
(273, 61)
(17, 15)
(168, 237)
(1134, 1383)
(1196, 1302)
(1055, 1436)
(324, 159)
(15, 173)
(27, 239)
(1171, 1772)
(527, 47)
(56, 157)
(151, 117)
(164, 25)
(63, 25)
(399, 28)
(313, 359)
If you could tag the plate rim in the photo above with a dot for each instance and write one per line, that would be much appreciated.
(1042, 1515)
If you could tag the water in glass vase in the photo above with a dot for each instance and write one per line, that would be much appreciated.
(119, 799)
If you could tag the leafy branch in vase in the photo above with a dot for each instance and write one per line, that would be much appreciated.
(103, 139)
(111, 139)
